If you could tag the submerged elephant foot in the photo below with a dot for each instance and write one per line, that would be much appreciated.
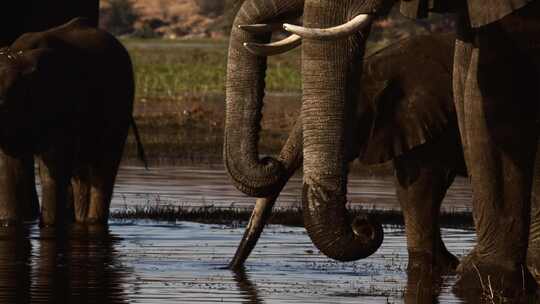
(483, 278)
(440, 261)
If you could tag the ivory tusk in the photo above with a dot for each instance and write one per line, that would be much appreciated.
(354, 25)
(274, 48)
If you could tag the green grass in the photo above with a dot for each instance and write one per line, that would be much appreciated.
(170, 70)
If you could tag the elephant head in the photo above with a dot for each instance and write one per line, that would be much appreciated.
(334, 36)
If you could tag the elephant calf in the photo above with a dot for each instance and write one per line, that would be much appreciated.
(405, 113)
(66, 97)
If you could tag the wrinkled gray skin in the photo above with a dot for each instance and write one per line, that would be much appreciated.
(426, 157)
(244, 94)
(496, 76)
(66, 97)
(264, 177)
(18, 197)
(495, 80)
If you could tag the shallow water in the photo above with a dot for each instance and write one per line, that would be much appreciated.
(182, 262)
(211, 186)
(151, 262)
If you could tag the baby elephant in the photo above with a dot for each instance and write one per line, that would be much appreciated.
(66, 97)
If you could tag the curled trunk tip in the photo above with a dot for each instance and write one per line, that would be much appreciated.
(331, 229)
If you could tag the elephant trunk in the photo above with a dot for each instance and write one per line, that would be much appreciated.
(329, 70)
(244, 98)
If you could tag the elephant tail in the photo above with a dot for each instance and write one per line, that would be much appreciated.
(140, 148)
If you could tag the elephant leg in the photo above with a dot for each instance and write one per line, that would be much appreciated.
(18, 196)
(81, 193)
(103, 170)
(533, 252)
(55, 174)
(421, 187)
(28, 190)
(500, 130)
(102, 183)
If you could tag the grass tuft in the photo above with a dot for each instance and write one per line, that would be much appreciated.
(236, 216)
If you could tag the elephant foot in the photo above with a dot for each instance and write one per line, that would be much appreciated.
(440, 261)
(491, 279)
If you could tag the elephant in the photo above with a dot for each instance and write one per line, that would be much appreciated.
(66, 98)
(492, 91)
(18, 197)
(496, 77)
(388, 104)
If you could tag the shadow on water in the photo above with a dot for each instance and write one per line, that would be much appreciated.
(47, 266)
(423, 287)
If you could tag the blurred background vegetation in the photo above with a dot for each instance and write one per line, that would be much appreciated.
(175, 19)
(179, 51)
(179, 46)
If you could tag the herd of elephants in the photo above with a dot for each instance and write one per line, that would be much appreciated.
(438, 106)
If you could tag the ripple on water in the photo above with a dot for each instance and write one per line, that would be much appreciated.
(145, 262)
(196, 186)
(182, 262)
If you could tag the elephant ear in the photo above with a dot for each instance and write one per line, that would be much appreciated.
(407, 116)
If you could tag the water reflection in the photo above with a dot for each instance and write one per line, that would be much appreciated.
(182, 262)
(423, 286)
(48, 266)
(247, 288)
(15, 266)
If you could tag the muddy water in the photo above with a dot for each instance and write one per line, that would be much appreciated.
(195, 186)
(182, 262)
